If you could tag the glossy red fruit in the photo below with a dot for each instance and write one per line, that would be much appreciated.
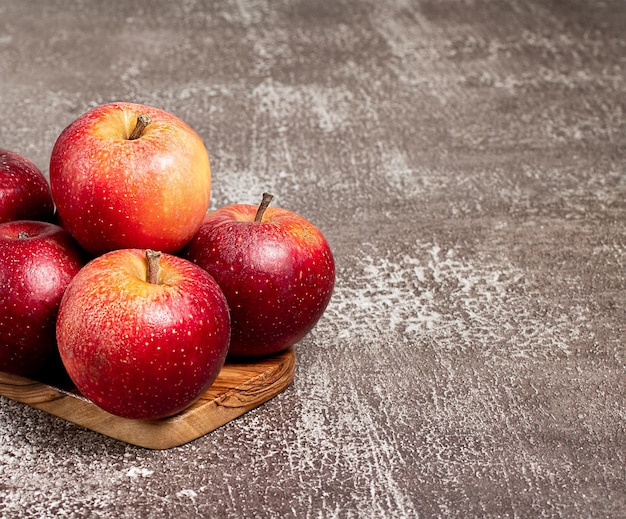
(24, 190)
(37, 262)
(275, 268)
(125, 175)
(138, 344)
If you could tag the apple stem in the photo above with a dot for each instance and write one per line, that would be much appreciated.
(22, 235)
(153, 257)
(143, 120)
(267, 198)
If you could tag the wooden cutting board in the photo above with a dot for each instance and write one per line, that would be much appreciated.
(239, 387)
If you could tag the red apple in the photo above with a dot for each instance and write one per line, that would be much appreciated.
(24, 191)
(141, 334)
(37, 262)
(125, 175)
(275, 268)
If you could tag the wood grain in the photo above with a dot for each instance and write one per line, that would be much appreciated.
(240, 387)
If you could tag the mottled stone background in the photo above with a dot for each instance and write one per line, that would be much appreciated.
(466, 160)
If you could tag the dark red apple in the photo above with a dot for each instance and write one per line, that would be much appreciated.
(125, 175)
(24, 191)
(141, 334)
(37, 262)
(275, 268)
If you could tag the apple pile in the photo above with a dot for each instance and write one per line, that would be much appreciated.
(132, 286)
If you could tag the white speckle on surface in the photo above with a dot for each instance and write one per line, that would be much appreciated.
(187, 493)
(139, 472)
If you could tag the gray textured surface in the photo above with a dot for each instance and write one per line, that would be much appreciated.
(465, 159)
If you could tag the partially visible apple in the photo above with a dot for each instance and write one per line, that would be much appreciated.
(24, 190)
(37, 262)
(125, 175)
(275, 268)
(143, 334)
